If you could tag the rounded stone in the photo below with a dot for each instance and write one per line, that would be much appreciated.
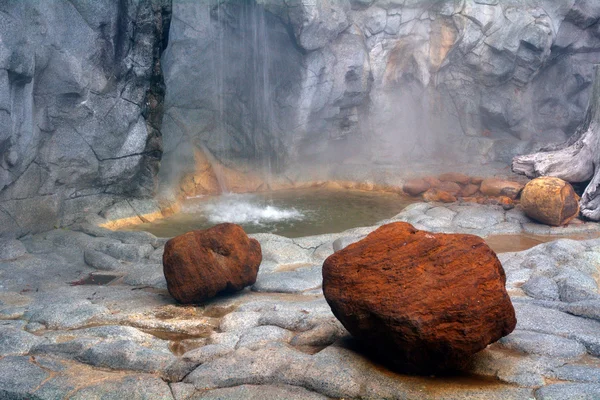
(550, 200)
(422, 302)
(200, 264)
(415, 187)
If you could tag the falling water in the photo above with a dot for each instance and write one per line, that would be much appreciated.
(244, 94)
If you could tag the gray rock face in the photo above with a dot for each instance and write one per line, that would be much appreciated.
(385, 81)
(80, 107)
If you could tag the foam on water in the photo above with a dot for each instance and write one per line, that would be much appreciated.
(246, 209)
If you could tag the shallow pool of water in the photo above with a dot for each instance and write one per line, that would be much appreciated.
(291, 213)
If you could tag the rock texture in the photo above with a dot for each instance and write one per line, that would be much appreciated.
(201, 264)
(550, 200)
(374, 81)
(396, 291)
(81, 94)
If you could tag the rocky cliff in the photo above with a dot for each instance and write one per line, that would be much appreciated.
(286, 83)
(272, 85)
(80, 107)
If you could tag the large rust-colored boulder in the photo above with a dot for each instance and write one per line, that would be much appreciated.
(200, 264)
(415, 187)
(550, 200)
(500, 187)
(423, 302)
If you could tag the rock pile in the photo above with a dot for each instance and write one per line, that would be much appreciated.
(550, 200)
(451, 187)
(200, 264)
(423, 302)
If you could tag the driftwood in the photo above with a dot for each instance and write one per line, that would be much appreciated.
(576, 160)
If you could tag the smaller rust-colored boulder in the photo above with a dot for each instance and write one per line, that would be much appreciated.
(550, 200)
(500, 187)
(415, 187)
(455, 177)
(200, 264)
(423, 302)
(437, 195)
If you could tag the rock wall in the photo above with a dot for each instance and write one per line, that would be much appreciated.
(282, 84)
(80, 107)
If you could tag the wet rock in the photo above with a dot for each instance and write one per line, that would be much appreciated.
(260, 336)
(500, 187)
(413, 276)
(577, 373)
(126, 355)
(543, 344)
(19, 377)
(201, 264)
(137, 387)
(11, 249)
(542, 288)
(236, 321)
(101, 261)
(575, 286)
(296, 281)
(478, 217)
(64, 315)
(415, 187)
(582, 391)
(550, 201)
(260, 392)
(16, 342)
(437, 195)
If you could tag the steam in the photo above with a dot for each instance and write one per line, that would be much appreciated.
(243, 209)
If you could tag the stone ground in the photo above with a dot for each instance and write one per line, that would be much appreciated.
(62, 338)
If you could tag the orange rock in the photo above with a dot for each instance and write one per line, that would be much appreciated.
(451, 187)
(476, 180)
(455, 177)
(433, 181)
(469, 190)
(436, 195)
(421, 301)
(200, 264)
(500, 187)
(506, 202)
(550, 200)
(415, 187)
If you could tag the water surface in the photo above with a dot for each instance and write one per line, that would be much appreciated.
(290, 213)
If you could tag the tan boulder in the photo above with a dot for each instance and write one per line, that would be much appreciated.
(550, 200)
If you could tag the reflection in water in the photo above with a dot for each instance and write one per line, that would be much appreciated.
(512, 243)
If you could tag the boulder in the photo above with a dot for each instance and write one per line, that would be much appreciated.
(419, 301)
(469, 190)
(500, 187)
(200, 264)
(415, 187)
(455, 177)
(451, 187)
(550, 200)
(437, 195)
